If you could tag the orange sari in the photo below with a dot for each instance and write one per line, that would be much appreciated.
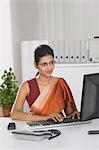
(54, 98)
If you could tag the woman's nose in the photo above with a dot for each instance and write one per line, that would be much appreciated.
(49, 67)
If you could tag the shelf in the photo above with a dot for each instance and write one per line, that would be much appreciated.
(77, 64)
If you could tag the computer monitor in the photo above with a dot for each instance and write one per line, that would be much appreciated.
(90, 97)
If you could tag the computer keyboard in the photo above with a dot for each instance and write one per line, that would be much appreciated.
(52, 122)
(68, 121)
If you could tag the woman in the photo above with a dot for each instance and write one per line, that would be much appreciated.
(48, 97)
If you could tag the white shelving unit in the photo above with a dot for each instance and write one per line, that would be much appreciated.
(77, 64)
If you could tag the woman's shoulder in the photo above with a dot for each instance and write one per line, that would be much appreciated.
(31, 80)
(27, 82)
(61, 79)
(26, 85)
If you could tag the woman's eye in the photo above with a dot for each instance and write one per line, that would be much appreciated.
(44, 64)
(53, 62)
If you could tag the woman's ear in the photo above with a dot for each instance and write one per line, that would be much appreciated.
(35, 66)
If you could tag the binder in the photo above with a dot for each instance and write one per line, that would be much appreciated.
(67, 51)
(77, 51)
(54, 45)
(72, 51)
(56, 48)
(84, 57)
(61, 48)
(93, 47)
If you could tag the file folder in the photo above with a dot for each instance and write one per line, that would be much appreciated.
(54, 45)
(61, 48)
(67, 51)
(77, 51)
(84, 57)
(93, 47)
(72, 51)
(56, 50)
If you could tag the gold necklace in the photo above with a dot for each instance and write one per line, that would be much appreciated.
(44, 83)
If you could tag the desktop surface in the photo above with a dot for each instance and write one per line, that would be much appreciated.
(72, 138)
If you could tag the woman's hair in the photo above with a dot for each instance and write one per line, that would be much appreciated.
(40, 51)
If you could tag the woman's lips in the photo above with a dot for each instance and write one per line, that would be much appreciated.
(48, 72)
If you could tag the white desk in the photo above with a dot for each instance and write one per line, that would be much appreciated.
(72, 138)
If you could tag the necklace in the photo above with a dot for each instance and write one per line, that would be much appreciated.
(45, 83)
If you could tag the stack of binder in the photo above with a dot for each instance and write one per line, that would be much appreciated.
(69, 51)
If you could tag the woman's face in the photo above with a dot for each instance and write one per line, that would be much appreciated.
(46, 65)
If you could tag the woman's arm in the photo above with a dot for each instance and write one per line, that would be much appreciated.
(71, 112)
(17, 109)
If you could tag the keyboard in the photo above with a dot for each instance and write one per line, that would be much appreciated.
(32, 125)
(52, 122)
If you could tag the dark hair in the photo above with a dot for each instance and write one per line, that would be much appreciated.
(40, 51)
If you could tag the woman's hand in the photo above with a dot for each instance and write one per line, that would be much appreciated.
(75, 114)
(56, 117)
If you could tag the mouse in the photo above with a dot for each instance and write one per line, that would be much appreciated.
(11, 126)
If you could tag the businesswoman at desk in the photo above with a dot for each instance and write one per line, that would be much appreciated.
(48, 97)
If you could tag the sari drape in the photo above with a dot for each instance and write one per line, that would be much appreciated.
(53, 99)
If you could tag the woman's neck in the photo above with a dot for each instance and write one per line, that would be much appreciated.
(44, 79)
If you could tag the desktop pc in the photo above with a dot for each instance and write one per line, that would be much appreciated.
(90, 97)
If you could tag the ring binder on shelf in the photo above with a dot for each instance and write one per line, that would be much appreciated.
(77, 51)
(61, 48)
(84, 57)
(93, 47)
(72, 51)
(67, 51)
(54, 45)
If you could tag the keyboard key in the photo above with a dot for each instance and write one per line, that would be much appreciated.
(51, 121)
(33, 123)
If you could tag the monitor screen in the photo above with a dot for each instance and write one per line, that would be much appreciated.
(90, 97)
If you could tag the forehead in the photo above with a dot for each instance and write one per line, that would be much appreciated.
(46, 58)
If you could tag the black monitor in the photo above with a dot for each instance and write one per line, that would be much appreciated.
(90, 97)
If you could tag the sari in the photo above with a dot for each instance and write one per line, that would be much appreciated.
(53, 99)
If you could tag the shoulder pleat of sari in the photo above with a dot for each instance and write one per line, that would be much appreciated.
(67, 93)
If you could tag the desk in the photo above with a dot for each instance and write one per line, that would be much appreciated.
(72, 138)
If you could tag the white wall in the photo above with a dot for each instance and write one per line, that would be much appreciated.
(43, 19)
(52, 19)
(25, 22)
(68, 19)
(6, 53)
